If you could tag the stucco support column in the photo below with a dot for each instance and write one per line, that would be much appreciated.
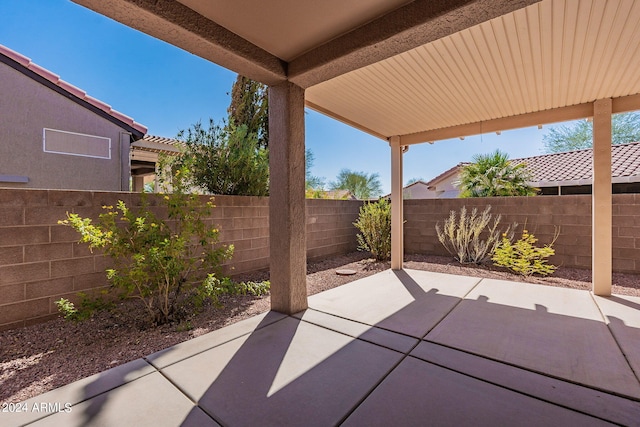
(287, 232)
(397, 221)
(601, 206)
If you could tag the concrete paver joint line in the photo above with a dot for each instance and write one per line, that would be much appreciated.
(217, 344)
(615, 339)
(513, 389)
(452, 308)
(186, 395)
(527, 369)
(356, 321)
(375, 386)
(605, 319)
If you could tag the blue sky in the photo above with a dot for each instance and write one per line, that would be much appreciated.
(168, 89)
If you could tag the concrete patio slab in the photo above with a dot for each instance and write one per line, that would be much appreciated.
(418, 393)
(498, 353)
(147, 401)
(622, 314)
(555, 331)
(218, 337)
(77, 392)
(288, 373)
(392, 340)
(410, 302)
(573, 396)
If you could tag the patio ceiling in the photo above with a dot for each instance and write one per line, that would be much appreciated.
(423, 70)
(550, 55)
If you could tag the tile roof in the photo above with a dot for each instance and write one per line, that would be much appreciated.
(69, 88)
(574, 167)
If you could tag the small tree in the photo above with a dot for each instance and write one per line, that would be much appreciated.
(579, 135)
(223, 160)
(155, 258)
(494, 175)
(360, 184)
(313, 183)
(374, 223)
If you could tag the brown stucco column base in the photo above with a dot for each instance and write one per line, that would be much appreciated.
(287, 232)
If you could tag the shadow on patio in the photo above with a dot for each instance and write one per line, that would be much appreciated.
(396, 348)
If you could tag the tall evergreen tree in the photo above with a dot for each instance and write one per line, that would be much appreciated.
(250, 107)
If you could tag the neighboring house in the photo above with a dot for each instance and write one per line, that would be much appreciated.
(55, 136)
(144, 159)
(571, 172)
(561, 173)
(441, 187)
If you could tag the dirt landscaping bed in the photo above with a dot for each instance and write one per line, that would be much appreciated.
(45, 356)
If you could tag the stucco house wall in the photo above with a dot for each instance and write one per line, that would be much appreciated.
(31, 102)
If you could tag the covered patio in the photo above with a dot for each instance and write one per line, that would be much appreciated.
(397, 348)
(402, 347)
(409, 72)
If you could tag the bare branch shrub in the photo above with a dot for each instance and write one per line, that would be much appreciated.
(472, 238)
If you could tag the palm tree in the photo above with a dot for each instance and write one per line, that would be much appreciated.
(493, 175)
(360, 184)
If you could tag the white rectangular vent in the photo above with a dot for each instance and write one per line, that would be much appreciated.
(76, 144)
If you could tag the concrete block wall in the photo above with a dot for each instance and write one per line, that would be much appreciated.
(542, 214)
(40, 261)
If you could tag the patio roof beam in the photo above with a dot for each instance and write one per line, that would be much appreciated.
(171, 21)
(562, 114)
(410, 26)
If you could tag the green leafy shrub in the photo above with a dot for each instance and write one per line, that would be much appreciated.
(155, 260)
(67, 309)
(87, 306)
(523, 257)
(374, 223)
(214, 287)
(471, 238)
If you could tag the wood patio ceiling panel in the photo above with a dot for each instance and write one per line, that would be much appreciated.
(553, 54)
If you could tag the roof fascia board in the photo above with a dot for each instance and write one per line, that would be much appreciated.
(415, 24)
(554, 115)
(135, 133)
(625, 104)
(179, 25)
(621, 104)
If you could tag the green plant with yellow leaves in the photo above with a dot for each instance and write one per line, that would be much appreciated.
(160, 262)
(523, 256)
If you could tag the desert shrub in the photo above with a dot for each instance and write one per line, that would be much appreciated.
(374, 223)
(214, 287)
(88, 305)
(471, 238)
(155, 258)
(67, 309)
(523, 256)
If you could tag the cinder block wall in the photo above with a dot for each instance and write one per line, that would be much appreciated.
(572, 214)
(40, 261)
